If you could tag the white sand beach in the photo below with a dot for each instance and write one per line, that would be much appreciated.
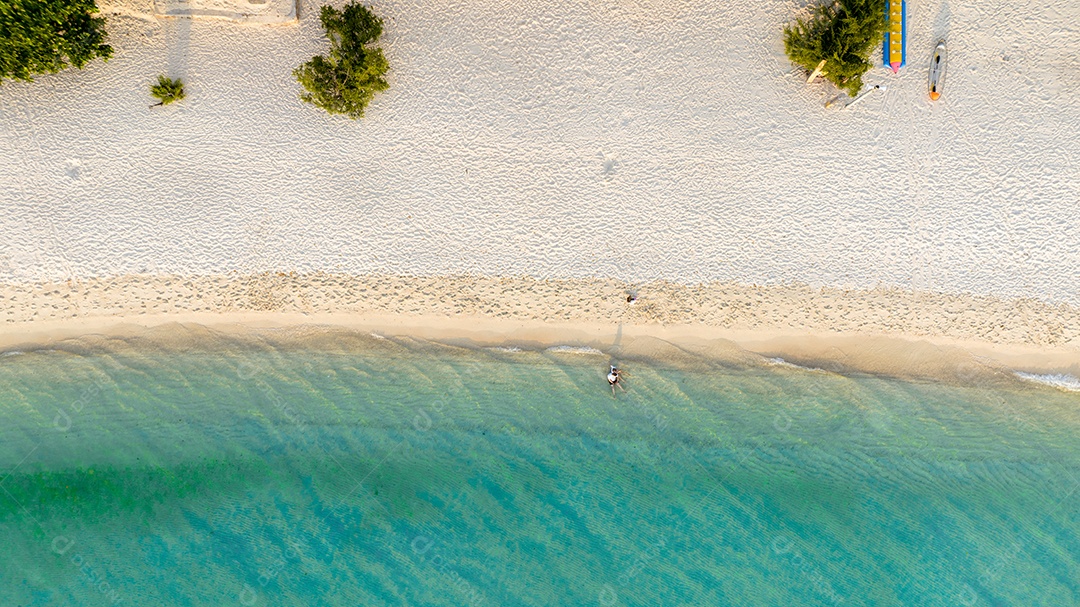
(584, 148)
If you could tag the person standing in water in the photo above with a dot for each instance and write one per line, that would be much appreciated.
(613, 380)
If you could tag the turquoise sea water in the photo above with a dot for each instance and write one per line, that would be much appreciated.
(354, 471)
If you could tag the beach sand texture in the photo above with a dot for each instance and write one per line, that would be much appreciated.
(638, 140)
(786, 310)
(883, 331)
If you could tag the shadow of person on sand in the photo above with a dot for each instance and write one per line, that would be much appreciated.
(616, 346)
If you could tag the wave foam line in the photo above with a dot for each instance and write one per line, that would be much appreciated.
(573, 350)
(783, 363)
(1057, 380)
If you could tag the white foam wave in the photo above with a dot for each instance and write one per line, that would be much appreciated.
(12, 353)
(783, 363)
(503, 349)
(1057, 380)
(573, 350)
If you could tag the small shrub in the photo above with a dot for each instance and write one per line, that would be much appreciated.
(346, 80)
(167, 90)
(843, 33)
(44, 36)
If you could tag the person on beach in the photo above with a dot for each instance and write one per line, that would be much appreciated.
(613, 380)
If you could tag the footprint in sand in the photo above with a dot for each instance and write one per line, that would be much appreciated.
(609, 165)
(73, 168)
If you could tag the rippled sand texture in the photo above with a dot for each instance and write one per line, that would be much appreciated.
(632, 139)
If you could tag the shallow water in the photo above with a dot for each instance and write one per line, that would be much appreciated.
(404, 473)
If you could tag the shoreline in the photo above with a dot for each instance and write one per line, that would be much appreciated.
(882, 332)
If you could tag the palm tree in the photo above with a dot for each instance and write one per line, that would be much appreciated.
(167, 90)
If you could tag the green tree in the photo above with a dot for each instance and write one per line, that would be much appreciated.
(166, 90)
(346, 81)
(45, 36)
(843, 33)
